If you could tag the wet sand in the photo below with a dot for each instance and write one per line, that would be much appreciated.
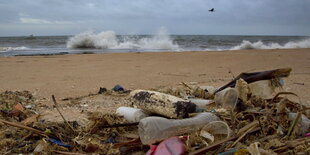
(75, 75)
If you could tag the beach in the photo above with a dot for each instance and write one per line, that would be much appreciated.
(81, 74)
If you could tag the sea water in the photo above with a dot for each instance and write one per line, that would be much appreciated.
(110, 42)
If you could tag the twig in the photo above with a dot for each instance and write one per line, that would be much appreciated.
(293, 125)
(242, 136)
(203, 150)
(292, 144)
(56, 105)
(186, 85)
(67, 153)
(247, 127)
(283, 93)
(299, 83)
(136, 141)
(29, 128)
(24, 127)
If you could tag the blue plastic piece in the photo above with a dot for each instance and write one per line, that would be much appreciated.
(111, 140)
(58, 142)
(281, 81)
(231, 151)
(118, 88)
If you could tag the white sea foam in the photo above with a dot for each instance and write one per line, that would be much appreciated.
(7, 49)
(260, 45)
(108, 40)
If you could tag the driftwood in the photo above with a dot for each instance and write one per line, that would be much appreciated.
(257, 76)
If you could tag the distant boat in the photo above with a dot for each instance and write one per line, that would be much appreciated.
(31, 37)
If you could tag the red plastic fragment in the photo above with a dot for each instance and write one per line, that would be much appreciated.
(170, 146)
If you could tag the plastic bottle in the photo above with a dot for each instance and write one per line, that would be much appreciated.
(216, 130)
(154, 129)
(131, 114)
(227, 98)
(201, 103)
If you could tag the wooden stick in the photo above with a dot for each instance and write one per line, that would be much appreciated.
(291, 144)
(24, 127)
(242, 136)
(56, 105)
(29, 128)
(293, 125)
(186, 85)
(67, 153)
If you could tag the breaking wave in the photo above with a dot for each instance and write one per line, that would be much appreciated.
(7, 49)
(260, 45)
(109, 40)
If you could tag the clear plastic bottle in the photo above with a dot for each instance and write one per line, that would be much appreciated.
(154, 129)
(227, 98)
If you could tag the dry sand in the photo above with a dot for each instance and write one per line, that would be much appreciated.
(75, 75)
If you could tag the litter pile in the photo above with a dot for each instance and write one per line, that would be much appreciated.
(249, 115)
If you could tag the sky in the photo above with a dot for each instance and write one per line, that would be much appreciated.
(231, 17)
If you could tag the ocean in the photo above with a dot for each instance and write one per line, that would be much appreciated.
(109, 42)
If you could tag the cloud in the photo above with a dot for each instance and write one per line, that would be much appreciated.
(285, 17)
(25, 20)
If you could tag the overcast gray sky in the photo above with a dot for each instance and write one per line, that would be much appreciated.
(231, 17)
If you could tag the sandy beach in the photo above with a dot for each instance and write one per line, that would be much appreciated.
(75, 75)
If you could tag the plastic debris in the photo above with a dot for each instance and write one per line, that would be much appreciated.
(170, 146)
(154, 129)
(118, 88)
(263, 89)
(201, 103)
(58, 142)
(102, 90)
(19, 107)
(227, 98)
(257, 125)
(216, 130)
(131, 114)
(229, 152)
(31, 106)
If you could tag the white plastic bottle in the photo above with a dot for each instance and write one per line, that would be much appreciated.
(201, 103)
(131, 114)
(154, 129)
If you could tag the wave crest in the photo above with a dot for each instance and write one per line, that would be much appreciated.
(108, 40)
(7, 49)
(260, 45)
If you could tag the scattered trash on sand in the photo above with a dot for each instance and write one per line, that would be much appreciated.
(249, 115)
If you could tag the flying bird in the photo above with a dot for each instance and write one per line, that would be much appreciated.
(211, 10)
